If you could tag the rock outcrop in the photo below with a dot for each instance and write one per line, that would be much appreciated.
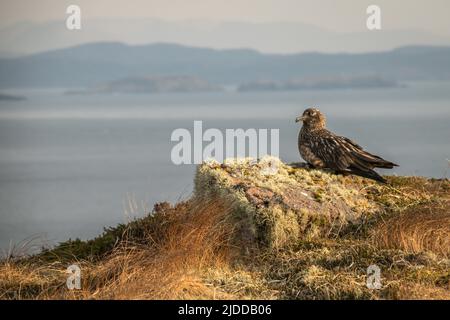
(276, 203)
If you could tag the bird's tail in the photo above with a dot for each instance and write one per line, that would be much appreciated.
(371, 174)
(374, 160)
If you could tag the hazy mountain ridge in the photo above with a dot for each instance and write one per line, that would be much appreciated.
(274, 37)
(90, 64)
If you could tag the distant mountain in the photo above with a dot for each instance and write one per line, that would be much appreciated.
(90, 64)
(152, 84)
(272, 37)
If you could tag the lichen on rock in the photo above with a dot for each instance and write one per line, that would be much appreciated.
(276, 204)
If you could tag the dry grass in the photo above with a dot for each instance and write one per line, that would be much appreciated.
(416, 230)
(420, 292)
(169, 265)
(192, 243)
(22, 281)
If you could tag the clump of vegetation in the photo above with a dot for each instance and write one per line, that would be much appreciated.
(141, 231)
(418, 229)
(260, 230)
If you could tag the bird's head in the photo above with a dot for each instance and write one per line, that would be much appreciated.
(312, 118)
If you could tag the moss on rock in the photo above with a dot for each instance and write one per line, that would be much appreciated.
(277, 203)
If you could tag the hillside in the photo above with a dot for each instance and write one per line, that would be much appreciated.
(261, 230)
(89, 64)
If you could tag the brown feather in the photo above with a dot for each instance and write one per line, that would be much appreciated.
(322, 148)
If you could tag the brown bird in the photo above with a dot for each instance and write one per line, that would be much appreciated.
(323, 149)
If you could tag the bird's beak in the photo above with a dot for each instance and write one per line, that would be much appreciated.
(299, 119)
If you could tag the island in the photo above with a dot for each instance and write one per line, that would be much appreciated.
(9, 97)
(151, 84)
(319, 83)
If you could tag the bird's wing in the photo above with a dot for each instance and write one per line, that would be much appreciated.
(341, 153)
(332, 151)
(363, 156)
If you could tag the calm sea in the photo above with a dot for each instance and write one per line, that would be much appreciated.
(72, 165)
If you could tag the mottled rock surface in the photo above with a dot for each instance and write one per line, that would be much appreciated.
(280, 203)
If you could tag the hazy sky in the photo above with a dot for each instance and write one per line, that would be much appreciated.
(342, 15)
